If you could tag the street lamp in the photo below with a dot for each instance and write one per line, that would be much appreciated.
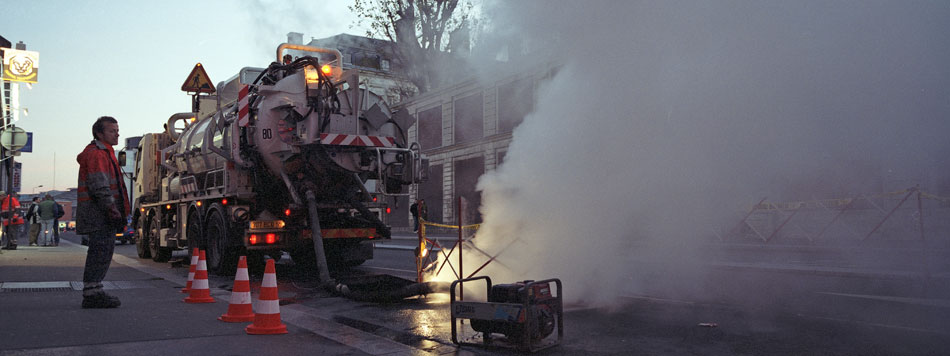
(34, 188)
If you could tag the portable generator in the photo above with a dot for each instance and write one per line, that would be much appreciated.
(526, 313)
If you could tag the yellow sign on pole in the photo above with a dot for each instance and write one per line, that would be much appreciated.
(198, 81)
(20, 65)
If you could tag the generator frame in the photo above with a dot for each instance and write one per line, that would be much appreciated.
(494, 311)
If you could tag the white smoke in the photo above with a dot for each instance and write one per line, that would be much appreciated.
(667, 119)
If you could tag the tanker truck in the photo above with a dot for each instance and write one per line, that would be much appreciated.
(294, 157)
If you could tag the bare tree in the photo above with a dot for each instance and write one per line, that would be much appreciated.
(417, 30)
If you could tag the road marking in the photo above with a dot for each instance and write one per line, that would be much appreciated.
(34, 285)
(887, 326)
(943, 303)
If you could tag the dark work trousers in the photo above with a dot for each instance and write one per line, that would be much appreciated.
(56, 230)
(98, 258)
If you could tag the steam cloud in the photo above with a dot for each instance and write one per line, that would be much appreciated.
(667, 119)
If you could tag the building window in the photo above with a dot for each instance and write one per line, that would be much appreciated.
(385, 64)
(515, 101)
(467, 172)
(469, 118)
(430, 128)
(431, 192)
(366, 60)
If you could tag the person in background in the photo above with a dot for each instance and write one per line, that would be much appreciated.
(102, 207)
(414, 210)
(47, 214)
(418, 210)
(33, 218)
(59, 213)
(12, 221)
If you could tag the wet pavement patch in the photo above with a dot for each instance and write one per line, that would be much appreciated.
(401, 337)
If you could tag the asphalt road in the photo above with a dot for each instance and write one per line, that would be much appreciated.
(794, 311)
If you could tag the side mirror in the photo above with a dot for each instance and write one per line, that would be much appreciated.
(121, 158)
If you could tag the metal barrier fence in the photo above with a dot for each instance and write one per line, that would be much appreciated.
(893, 217)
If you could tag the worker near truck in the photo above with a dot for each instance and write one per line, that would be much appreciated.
(418, 209)
(102, 207)
(12, 221)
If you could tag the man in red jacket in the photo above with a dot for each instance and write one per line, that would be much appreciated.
(103, 206)
(12, 222)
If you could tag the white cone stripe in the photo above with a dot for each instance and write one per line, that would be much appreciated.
(199, 284)
(241, 275)
(194, 260)
(270, 280)
(202, 265)
(241, 298)
(268, 307)
(191, 276)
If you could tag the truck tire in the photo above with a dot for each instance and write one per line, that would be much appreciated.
(159, 253)
(222, 255)
(141, 244)
(304, 256)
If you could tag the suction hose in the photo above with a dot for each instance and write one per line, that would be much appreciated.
(322, 270)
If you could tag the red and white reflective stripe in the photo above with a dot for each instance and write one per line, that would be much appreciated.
(357, 140)
(347, 233)
(270, 280)
(241, 275)
(241, 298)
(201, 283)
(243, 109)
(268, 307)
(189, 187)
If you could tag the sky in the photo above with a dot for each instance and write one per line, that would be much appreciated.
(128, 60)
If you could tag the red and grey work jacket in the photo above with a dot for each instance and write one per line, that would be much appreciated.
(15, 218)
(101, 189)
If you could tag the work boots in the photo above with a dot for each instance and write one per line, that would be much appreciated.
(100, 300)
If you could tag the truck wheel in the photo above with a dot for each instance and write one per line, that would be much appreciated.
(141, 247)
(222, 256)
(141, 243)
(304, 256)
(159, 253)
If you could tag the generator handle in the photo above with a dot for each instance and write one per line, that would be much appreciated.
(487, 280)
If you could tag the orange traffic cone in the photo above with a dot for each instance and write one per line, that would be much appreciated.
(267, 319)
(240, 307)
(191, 271)
(199, 292)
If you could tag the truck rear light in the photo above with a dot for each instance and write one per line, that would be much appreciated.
(271, 238)
(389, 210)
(374, 199)
(252, 239)
(224, 201)
(287, 212)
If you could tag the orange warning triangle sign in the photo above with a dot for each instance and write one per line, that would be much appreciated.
(198, 81)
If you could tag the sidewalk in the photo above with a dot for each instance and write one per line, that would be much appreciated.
(40, 296)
